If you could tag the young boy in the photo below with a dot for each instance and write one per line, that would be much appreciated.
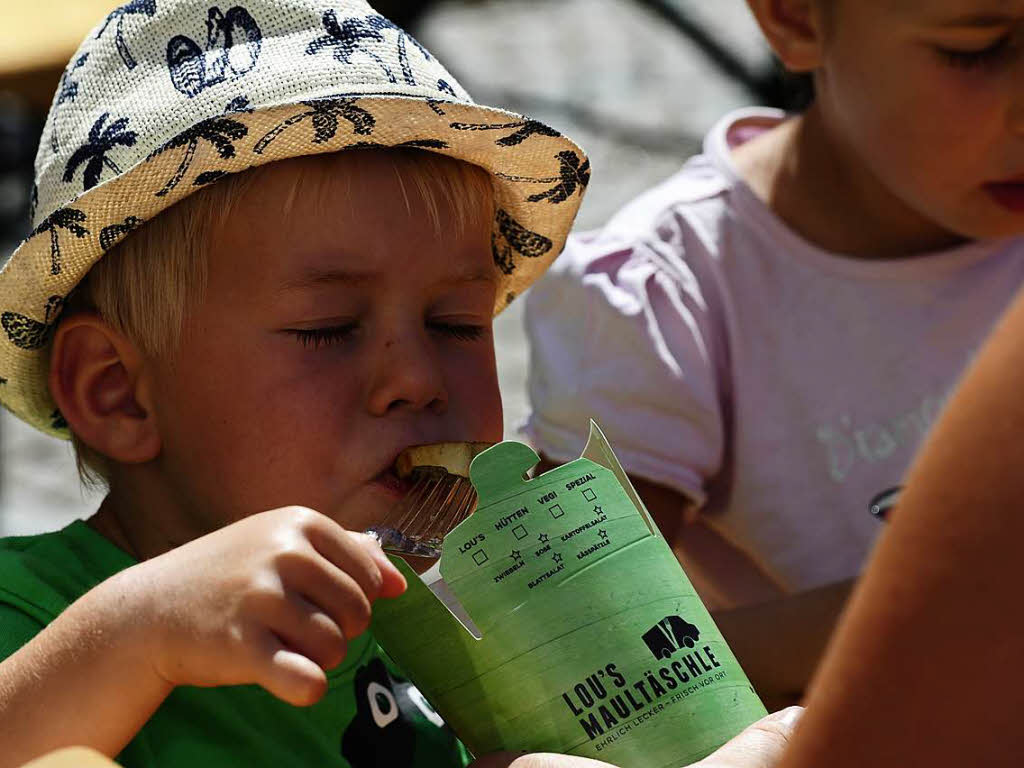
(767, 336)
(266, 341)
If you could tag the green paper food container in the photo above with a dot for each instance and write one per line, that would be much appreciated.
(562, 622)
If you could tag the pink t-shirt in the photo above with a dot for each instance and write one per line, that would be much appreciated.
(777, 385)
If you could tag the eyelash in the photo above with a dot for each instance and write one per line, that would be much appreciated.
(314, 338)
(970, 60)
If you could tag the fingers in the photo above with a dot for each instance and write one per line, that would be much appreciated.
(288, 675)
(332, 590)
(761, 745)
(358, 555)
(307, 630)
(393, 582)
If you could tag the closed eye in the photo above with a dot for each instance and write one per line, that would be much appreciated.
(318, 337)
(460, 331)
(977, 59)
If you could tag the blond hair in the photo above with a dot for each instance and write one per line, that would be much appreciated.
(148, 284)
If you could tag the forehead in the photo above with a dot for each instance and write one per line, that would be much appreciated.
(361, 211)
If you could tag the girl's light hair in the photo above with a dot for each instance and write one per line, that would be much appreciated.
(147, 285)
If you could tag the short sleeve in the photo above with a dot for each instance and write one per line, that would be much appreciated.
(622, 331)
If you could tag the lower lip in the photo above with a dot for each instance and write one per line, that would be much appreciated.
(1010, 196)
(392, 484)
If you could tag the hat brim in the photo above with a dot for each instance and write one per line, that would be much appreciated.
(539, 177)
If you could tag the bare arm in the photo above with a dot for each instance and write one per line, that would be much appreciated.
(85, 679)
(271, 599)
(927, 667)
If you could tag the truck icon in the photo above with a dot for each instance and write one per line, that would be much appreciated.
(669, 635)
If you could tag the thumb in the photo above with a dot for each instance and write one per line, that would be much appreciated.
(761, 745)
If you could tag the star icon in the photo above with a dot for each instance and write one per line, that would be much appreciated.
(598, 510)
(603, 534)
(557, 558)
(543, 538)
(516, 555)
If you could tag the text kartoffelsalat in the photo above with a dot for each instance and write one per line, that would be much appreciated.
(606, 698)
(585, 527)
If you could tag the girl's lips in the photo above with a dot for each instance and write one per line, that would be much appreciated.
(1009, 194)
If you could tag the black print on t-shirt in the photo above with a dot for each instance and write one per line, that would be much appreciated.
(384, 730)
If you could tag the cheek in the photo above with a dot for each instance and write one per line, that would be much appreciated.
(252, 418)
(474, 396)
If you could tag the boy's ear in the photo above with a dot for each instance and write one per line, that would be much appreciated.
(97, 379)
(794, 29)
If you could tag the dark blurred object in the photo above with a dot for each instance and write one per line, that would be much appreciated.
(403, 12)
(19, 136)
(770, 86)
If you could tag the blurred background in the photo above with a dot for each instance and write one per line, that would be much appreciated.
(636, 82)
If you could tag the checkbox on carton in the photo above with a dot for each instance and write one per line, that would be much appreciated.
(589, 494)
(479, 557)
(520, 532)
(556, 511)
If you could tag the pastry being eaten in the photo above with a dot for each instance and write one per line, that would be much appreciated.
(439, 498)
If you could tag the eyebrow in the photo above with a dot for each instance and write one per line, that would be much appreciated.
(313, 278)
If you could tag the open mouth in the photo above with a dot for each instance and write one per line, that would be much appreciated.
(1009, 194)
(390, 481)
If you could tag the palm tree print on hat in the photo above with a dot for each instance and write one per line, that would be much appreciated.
(135, 7)
(572, 176)
(68, 219)
(444, 87)
(102, 139)
(513, 236)
(221, 132)
(110, 235)
(524, 129)
(323, 114)
(27, 333)
(233, 44)
(68, 88)
(381, 23)
(346, 39)
(410, 144)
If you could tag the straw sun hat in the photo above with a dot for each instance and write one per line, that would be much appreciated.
(166, 96)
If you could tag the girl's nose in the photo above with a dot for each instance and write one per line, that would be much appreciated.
(408, 376)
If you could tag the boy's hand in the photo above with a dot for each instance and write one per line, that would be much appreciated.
(761, 745)
(271, 600)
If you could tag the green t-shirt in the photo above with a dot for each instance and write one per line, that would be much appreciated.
(369, 717)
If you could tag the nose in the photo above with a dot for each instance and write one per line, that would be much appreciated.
(408, 375)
